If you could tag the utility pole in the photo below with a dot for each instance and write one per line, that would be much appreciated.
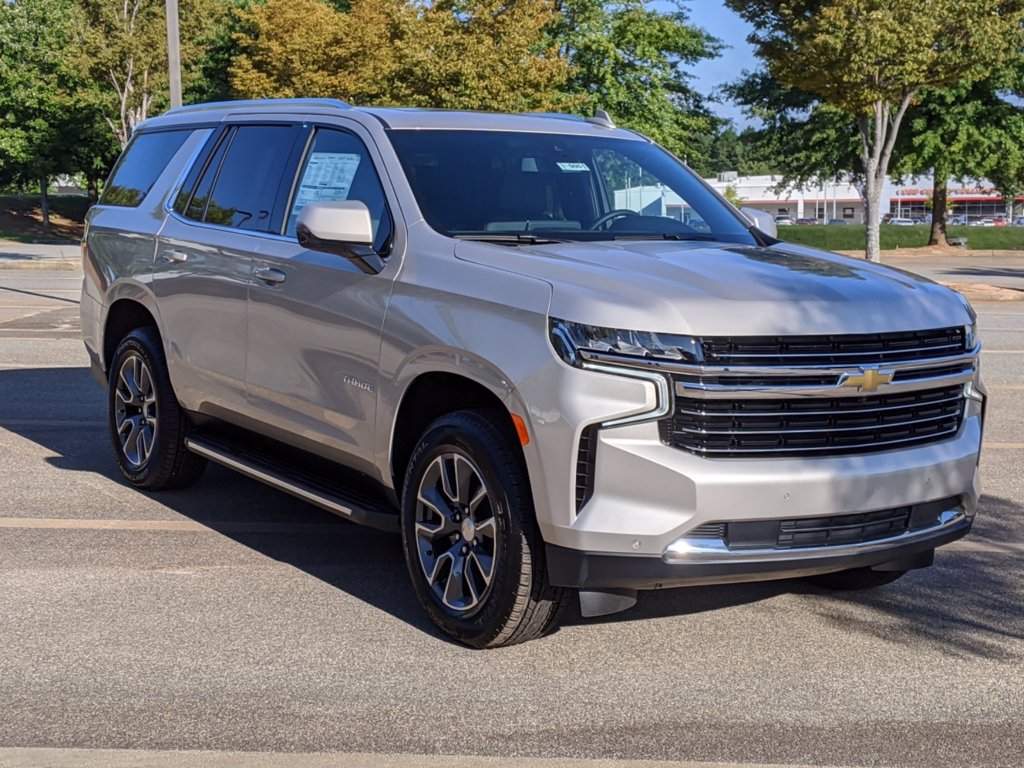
(173, 53)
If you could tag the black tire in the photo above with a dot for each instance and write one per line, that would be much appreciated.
(517, 603)
(167, 463)
(854, 579)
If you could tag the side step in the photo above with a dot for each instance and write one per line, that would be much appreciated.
(297, 481)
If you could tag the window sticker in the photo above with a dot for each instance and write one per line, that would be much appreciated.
(574, 167)
(328, 176)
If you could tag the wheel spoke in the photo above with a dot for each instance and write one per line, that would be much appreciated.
(454, 589)
(486, 528)
(434, 501)
(131, 394)
(484, 564)
(477, 499)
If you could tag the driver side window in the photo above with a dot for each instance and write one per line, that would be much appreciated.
(630, 187)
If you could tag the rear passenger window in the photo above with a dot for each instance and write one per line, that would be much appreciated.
(245, 186)
(140, 165)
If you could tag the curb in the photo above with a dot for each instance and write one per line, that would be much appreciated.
(62, 265)
(984, 292)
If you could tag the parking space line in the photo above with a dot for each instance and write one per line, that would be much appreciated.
(17, 423)
(178, 526)
(1011, 446)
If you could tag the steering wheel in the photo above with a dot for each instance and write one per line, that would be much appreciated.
(618, 213)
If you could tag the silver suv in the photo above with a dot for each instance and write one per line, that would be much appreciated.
(538, 346)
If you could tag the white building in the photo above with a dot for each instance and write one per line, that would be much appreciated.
(842, 200)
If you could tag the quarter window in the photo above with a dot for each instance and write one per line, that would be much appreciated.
(338, 167)
(140, 166)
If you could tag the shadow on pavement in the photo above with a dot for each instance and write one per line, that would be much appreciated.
(963, 606)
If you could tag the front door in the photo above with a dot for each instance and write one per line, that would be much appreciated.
(315, 319)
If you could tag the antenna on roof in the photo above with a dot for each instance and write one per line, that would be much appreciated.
(601, 118)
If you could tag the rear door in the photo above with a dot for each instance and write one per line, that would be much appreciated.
(314, 318)
(230, 202)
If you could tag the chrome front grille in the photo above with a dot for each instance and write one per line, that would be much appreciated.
(860, 348)
(813, 426)
(820, 395)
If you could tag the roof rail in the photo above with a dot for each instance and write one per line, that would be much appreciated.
(555, 115)
(268, 103)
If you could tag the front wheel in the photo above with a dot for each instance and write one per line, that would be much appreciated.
(472, 546)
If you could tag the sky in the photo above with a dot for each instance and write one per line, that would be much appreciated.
(722, 23)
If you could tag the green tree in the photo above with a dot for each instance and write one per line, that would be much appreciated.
(454, 54)
(124, 47)
(871, 58)
(961, 132)
(630, 59)
(45, 112)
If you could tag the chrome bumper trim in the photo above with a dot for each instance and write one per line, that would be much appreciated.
(705, 551)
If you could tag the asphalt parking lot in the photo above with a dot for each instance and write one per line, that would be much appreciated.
(230, 618)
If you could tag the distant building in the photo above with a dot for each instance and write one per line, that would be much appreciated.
(842, 200)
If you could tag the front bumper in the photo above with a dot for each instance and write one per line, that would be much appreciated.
(597, 570)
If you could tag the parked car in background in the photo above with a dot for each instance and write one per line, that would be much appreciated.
(1001, 220)
(465, 329)
(902, 222)
(834, 222)
(1019, 221)
(984, 221)
(784, 220)
(807, 221)
(956, 221)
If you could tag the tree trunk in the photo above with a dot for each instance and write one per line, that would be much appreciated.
(44, 203)
(872, 236)
(93, 189)
(939, 205)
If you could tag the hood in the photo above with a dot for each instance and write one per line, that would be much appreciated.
(723, 289)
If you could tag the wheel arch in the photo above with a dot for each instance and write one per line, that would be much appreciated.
(124, 316)
(430, 395)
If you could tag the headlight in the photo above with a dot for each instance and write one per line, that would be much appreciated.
(569, 339)
(970, 336)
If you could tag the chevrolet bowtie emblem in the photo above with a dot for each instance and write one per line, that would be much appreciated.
(868, 380)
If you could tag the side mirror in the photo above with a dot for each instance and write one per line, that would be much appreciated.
(762, 220)
(341, 227)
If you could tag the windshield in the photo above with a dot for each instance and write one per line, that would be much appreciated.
(524, 187)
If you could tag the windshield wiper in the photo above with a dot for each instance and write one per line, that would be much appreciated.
(666, 236)
(519, 239)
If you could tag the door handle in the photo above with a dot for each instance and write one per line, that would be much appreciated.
(270, 275)
(174, 257)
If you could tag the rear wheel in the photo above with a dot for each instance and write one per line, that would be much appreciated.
(854, 579)
(472, 547)
(147, 426)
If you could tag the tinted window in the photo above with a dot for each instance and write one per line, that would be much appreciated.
(197, 206)
(338, 167)
(247, 183)
(181, 200)
(140, 165)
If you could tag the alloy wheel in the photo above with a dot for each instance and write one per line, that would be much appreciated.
(135, 412)
(456, 532)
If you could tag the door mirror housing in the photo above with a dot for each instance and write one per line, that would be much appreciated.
(341, 227)
(763, 220)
